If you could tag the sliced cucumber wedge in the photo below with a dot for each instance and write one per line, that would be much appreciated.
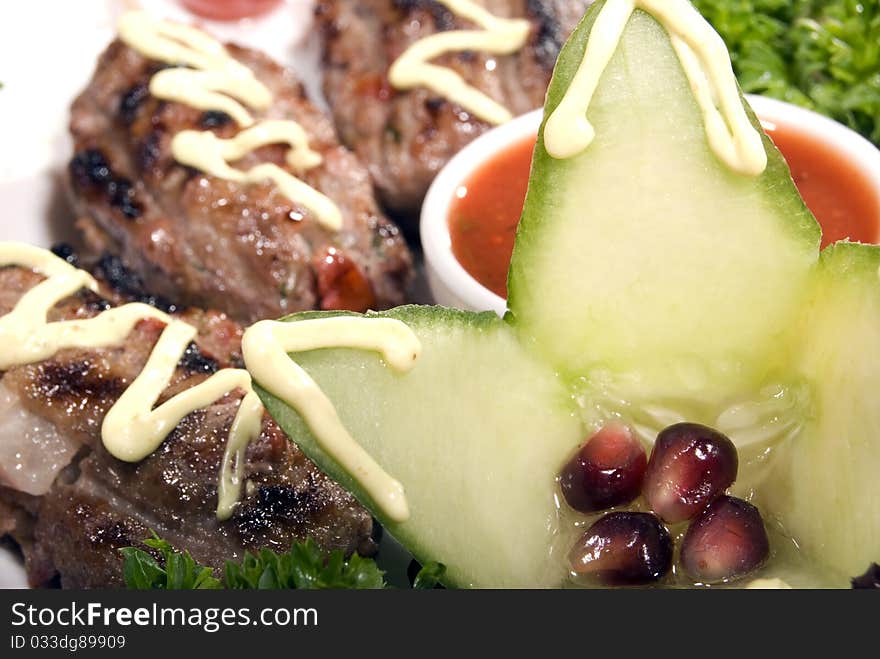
(647, 258)
(476, 433)
(825, 487)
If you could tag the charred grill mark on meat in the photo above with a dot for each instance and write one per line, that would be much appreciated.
(149, 151)
(68, 384)
(215, 119)
(276, 502)
(195, 361)
(550, 37)
(127, 283)
(67, 252)
(131, 102)
(91, 173)
(443, 18)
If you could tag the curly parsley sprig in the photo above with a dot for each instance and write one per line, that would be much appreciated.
(305, 566)
(177, 570)
(823, 55)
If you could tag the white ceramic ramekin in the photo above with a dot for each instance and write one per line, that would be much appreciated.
(451, 285)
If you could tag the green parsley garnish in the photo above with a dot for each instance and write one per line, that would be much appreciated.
(177, 571)
(305, 566)
(819, 54)
(429, 576)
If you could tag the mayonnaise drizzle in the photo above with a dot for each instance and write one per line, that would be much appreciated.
(217, 81)
(499, 36)
(216, 71)
(771, 583)
(132, 429)
(199, 89)
(265, 347)
(706, 64)
(207, 152)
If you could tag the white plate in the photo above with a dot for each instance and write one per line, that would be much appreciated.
(48, 50)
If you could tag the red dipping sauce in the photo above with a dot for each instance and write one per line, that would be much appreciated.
(839, 194)
(229, 10)
(484, 217)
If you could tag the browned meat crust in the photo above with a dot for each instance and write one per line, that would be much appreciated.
(406, 137)
(98, 504)
(197, 240)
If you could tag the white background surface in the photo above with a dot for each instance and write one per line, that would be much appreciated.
(48, 50)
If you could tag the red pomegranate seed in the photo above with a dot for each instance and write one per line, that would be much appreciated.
(623, 549)
(726, 542)
(690, 466)
(607, 471)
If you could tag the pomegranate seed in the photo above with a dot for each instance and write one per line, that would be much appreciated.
(623, 549)
(690, 466)
(869, 580)
(727, 541)
(607, 471)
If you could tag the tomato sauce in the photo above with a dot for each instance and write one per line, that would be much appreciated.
(484, 216)
(229, 10)
(839, 194)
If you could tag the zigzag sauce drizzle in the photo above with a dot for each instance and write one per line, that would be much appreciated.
(499, 36)
(265, 347)
(217, 81)
(706, 64)
(132, 429)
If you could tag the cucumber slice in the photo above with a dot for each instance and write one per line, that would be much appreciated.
(477, 432)
(647, 259)
(824, 485)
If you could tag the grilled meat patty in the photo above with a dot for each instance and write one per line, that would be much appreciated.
(198, 240)
(405, 137)
(72, 506)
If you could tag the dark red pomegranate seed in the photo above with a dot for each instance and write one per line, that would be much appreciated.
(623, 549)
(607, 471)
(727, 541)
(869, 580)
(690, 466)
